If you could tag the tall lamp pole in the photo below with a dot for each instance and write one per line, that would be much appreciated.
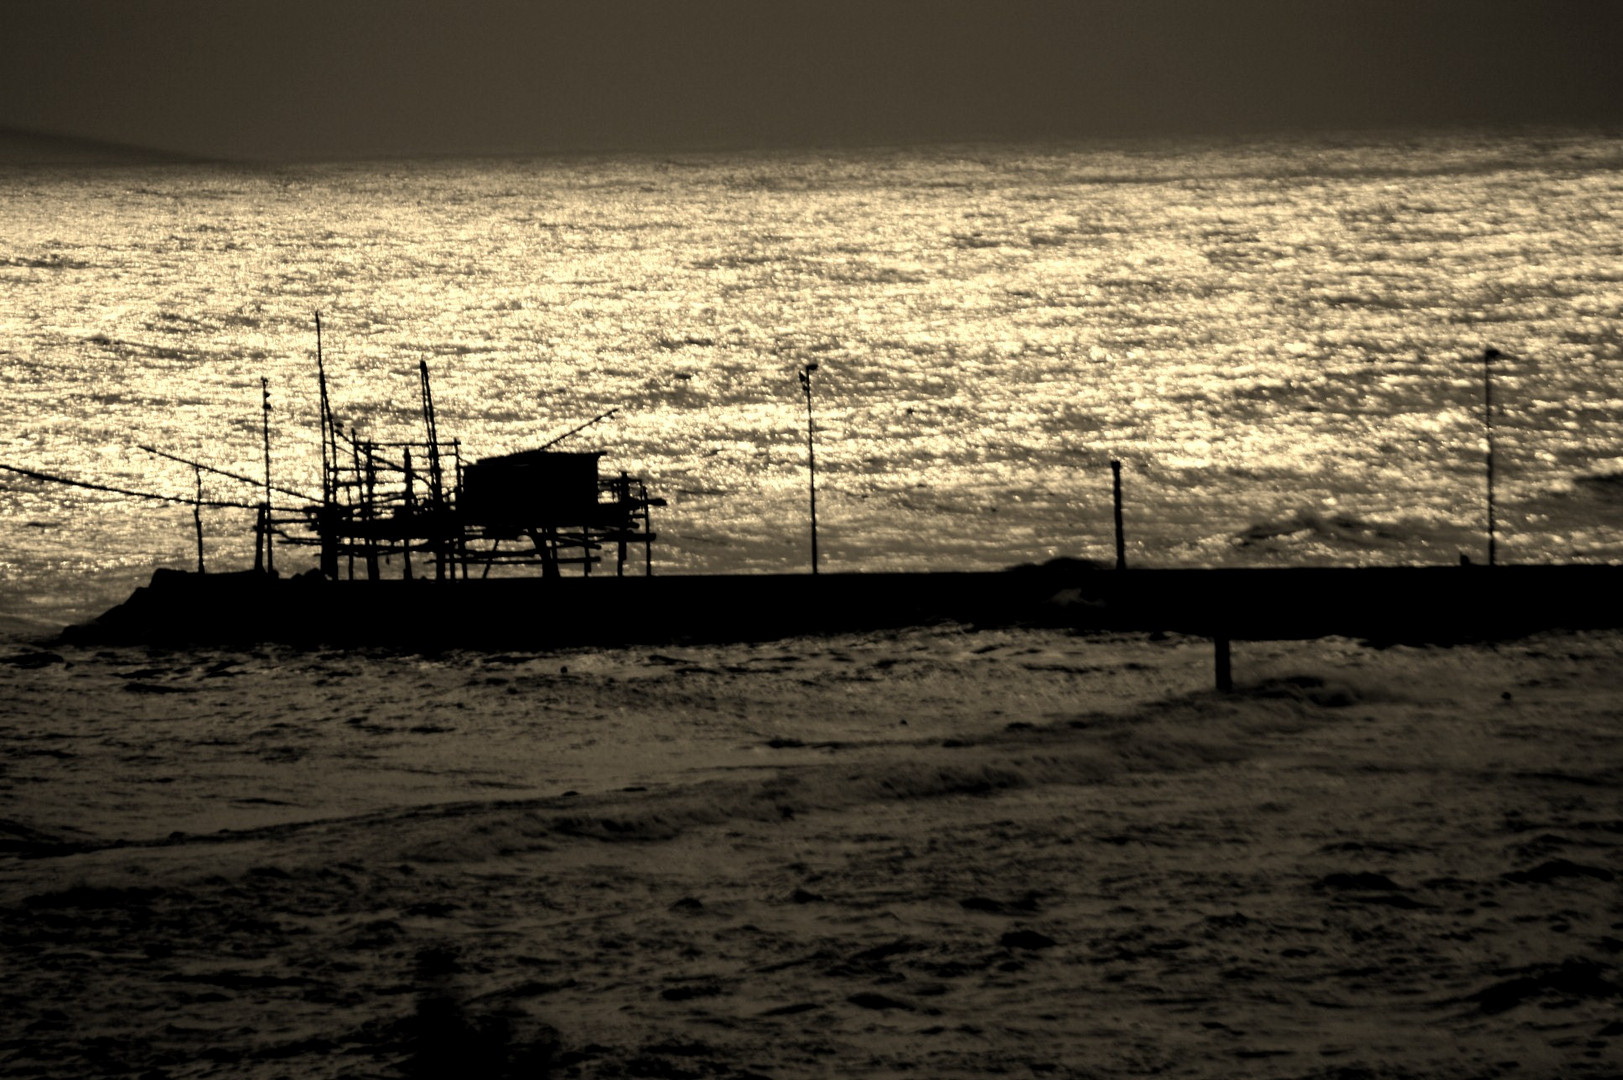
(811, 457)
(1488, 356)
(265, 405)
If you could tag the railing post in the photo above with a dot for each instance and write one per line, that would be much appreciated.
(811, 457)
(197, 518)
(1121, 539)
(1488, 356)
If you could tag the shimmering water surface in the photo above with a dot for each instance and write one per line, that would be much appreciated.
(1280, 339)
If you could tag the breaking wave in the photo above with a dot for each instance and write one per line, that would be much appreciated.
(1338, 528)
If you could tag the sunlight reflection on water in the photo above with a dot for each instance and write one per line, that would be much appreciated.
(1266, 333)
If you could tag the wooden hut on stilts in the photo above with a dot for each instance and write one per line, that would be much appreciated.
(419, 502)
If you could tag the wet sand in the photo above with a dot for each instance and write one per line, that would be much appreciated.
(932, 852)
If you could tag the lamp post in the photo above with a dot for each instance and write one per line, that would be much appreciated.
(265, 406)
(1488, 356)
(811, 457)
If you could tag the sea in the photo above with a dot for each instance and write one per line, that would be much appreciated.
(1281, 340)
(942, 851)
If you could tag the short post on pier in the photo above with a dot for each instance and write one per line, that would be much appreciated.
(811, 457)
(197, 515)
(1121, 539)
(1488, 357)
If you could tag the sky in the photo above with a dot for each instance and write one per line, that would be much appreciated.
(304, 80)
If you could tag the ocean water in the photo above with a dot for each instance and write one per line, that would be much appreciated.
(1280, 339)
(711, 857)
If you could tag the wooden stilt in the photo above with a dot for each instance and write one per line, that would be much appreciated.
(355, 496)
(623, 491)
(259, 539)
(410, 510)
(1225, 673)
(373, 570)
(647, 535)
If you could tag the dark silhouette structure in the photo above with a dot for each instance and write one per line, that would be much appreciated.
(420, 503)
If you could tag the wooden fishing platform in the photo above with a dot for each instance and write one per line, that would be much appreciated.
(407, 534)
(1383, 604)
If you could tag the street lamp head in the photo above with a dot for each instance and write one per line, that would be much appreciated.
(1491, 354)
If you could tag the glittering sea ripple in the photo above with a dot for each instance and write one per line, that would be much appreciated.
(1281, 340)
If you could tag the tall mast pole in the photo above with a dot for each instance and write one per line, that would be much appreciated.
(329, 470)
(1488, 356)
(264, 391)
(811, 457)
(436, 478)
(328, 439)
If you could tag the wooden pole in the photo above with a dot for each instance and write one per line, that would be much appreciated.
(197, 517)
(264, 391)
(436, 476)
(357, 508)
(647, 533)
(1121, 540)
(411, 510)
(456, 501)
(329, 470)
(577, 430)
(1487, 421)
(1225, 674)
(329, 441)
(53, 479)
(624, 493)
(372, 570)
(189, 463)
(811, 458)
